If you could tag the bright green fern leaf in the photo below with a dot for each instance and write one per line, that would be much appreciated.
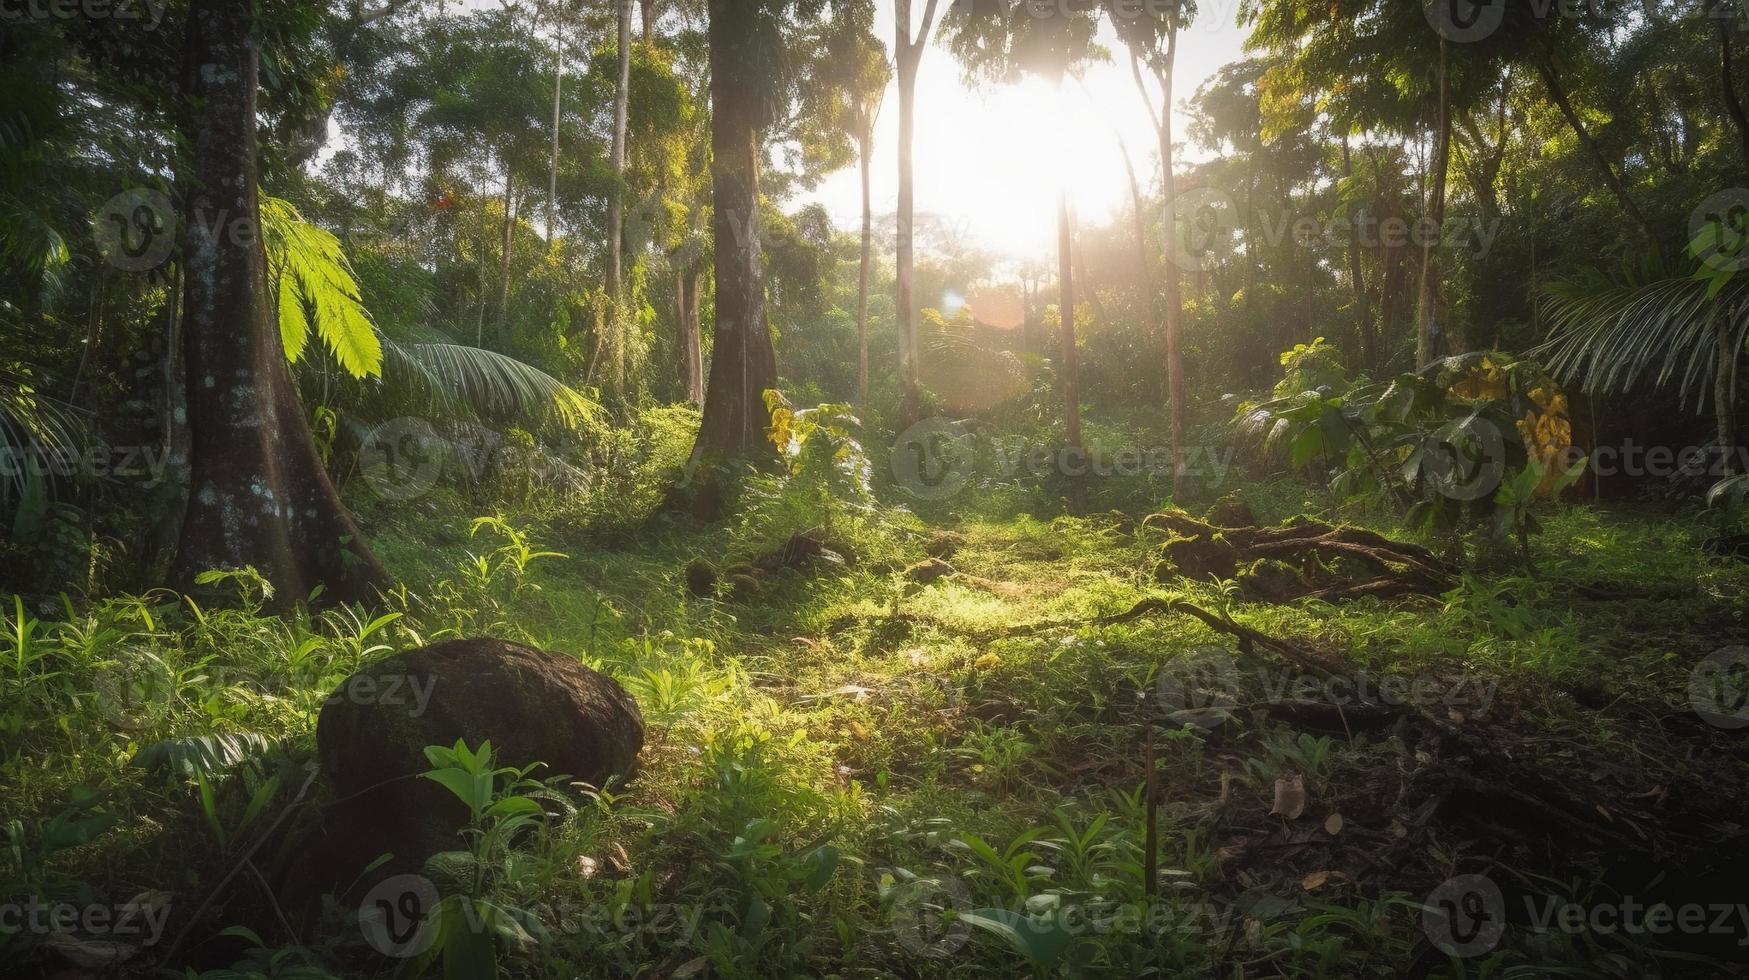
(311, 275)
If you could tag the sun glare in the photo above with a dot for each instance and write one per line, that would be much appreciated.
(1010, 158)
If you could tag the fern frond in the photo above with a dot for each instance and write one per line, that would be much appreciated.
(309, 271)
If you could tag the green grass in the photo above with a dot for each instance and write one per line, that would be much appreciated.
(936, 769)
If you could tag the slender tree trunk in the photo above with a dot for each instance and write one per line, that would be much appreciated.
(1558, 95)
(509, 240)
(683, 361)
(743, 364)
(1357, 275)
(910, 398)
(553, 163)
(616, 194)
(1144, 255)
(686, 289)
(1066, 367)
(694, 339)
(172, 491)
(1426, 344)
(1175, 393)
(258, 493)
(908, 54)
(648, 20)
(863, 152)
(1724, 387)
(1172, 284)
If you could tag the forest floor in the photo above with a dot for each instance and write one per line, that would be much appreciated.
(852, 772)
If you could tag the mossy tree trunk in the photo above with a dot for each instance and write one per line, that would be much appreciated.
(258, 493)
(743, 363)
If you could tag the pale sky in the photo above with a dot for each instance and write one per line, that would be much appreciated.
(987, 161)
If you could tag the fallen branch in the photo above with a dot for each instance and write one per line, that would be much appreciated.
(1198, 550)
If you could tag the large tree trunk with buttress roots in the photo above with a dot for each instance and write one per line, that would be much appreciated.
(258, 493)
(743, 364)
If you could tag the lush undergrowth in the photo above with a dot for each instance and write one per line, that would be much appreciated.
(847, 774)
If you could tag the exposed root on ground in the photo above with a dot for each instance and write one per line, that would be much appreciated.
(1302, 560)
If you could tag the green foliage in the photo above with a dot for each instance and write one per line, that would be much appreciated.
(314, 284)
(200, 756)
(827, 464)
(472, 930)
(1447, 446)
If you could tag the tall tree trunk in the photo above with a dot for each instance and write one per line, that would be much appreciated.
(1558, 95)
(683, 361)
(258, 493)
(1724, 387)
(1427, 304)
(1066, 367)
(908, 54)
(509, 239)
(1144, 255)
(743, 364)
(863, 152)
(694, 339)
(553, 162)
(171, 499)
(687, 286)
(1357, 275)
(648, 9)
(1172, 281)
(1174, 296)
(616, 194)
(1728, 85)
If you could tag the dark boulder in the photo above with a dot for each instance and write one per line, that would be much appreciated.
(534, 706)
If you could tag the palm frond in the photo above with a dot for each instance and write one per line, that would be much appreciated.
(35, 428)
(449, 376)
(32, 246)
(1608, 336)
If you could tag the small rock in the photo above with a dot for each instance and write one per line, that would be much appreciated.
(943, 544)
(701, 579)
(928, 570)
